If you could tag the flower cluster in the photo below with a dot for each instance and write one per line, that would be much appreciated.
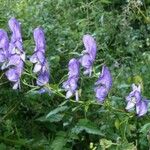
(103, 84)
(135, 99)
(14, 54)
(38, 58)
(12, 58)
(71, 84)
(89, 54)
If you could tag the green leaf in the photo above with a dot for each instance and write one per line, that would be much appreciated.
(59, 141)
(117, 123)
(145, 128)
(54, 115)
(57, 110)
(53, 118)
(2, 146)
(88, 126)
(105, 143)
(127, 146)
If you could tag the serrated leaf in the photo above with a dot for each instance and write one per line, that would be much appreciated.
(87, 126)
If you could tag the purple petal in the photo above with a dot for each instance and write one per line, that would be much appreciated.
(101, 93)
(4, 42)
(16, 39)
(88, 71)
(105, 78)
(43, 78)
(90, 45)
(136, 94)
(40, 56)
(14, 60)
(44, 90)
(86, 61)
(70, 84)
(69, 94)
(39, 39)
(141, 108)
(37, 67)
(73, 84)
(2, 57)
(130, 104)
(73, 67)
(14, 25)
(34, 58)
(12, 75)
(66, 85)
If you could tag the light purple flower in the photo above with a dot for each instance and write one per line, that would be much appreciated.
(16, 38)
(38, 58)
(103, 84)
(142, 107)
(135, 99)
(14, 73)
(89, 54)
(16, 55)
(71, 84)
(4, 45)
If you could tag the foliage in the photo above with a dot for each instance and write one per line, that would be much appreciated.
(42, 122)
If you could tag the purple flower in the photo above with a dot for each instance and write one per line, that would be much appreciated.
(103, 84)
(142, 107)
(38, 58)
(89, 54)
(135, 99)
(14, 73)
(16, 38)
(4, 45)
(71, 84)
(16, 55)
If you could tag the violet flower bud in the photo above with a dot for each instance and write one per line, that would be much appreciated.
(71, 84)
(16, 55)
(103, 84)
(135, 99)
(38, 58)
(89, 54)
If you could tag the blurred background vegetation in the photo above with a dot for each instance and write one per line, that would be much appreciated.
(122, 31)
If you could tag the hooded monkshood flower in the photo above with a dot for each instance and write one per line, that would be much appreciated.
(89, 54)
(38, 58)
(135, 99)
(72, 83)
(103, 84)
(16, 55)
(4, 45)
